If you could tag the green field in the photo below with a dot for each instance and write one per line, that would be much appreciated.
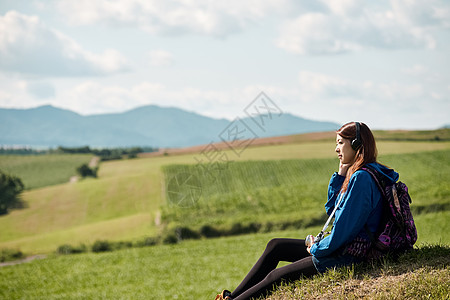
(277, 190)
(408, 135)
(124, 202)
(278, 194)
(193, 270)
(37, 171)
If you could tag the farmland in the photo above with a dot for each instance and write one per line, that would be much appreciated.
(271, 190)
(38, 171)
(124, 202)
(277, 194)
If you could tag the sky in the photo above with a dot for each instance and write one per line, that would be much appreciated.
(385, 63)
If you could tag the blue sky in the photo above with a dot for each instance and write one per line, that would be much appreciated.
(385, 63)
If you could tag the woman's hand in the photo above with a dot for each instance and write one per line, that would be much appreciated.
(343, 168)
(309, 241)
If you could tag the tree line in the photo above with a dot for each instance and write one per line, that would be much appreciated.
(107, 153)
(103, 153)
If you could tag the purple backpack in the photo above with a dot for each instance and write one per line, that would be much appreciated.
(396, 232)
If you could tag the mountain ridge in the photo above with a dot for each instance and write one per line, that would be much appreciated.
(149, 125)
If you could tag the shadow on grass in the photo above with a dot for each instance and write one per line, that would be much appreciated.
(419, 273)
(433, 256)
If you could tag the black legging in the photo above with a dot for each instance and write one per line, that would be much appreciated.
(264, 274)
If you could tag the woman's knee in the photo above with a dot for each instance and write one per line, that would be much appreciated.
(290, 272)
(273, 244)
(274, 277)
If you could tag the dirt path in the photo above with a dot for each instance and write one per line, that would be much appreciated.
(94, 162)
(21, 261)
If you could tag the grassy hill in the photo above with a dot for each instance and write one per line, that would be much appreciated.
(124, 202)
(421, 274)
(38, 171)
(199, 269)
(130, 198)
(251, 196)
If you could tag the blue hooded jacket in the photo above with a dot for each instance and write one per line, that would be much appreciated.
(361, 204)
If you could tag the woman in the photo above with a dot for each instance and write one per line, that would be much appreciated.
(359, 210)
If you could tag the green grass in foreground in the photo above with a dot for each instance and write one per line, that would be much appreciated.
(43, 170)
(200, 269)
(422, 274)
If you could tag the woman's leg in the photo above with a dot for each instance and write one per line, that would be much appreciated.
(277, 250)
(294, 271)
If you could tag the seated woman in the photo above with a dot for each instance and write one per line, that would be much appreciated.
(359, 208)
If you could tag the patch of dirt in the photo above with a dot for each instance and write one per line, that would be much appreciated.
(21, 261)
(94, 162)
(158, 219)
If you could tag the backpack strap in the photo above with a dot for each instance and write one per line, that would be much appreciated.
(377, 177)
(382, 186)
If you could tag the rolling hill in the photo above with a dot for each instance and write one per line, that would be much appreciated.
(48, 126)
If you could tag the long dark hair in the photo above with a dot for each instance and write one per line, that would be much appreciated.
(367, 153)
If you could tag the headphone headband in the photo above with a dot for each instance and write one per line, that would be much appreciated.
(356, 143)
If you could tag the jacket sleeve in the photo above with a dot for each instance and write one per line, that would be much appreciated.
(334, 188)
(351, 215)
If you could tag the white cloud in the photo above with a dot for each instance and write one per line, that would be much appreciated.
(428, 13)
(27, 45)
(315, 33)
(110, 98)
(160, 58)
(321, 87)
(40, 89)
(351, 25)
(343, 99)
(344, 7)
(416, 70)
(7, 99)
(317, 96)
(387, 104)
(15, 93)
(216, 18)
(91, 97)
(317, 85)
(312, 27)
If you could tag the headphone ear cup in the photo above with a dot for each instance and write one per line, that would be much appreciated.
(356, 144)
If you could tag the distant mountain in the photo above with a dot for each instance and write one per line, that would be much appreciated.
(144, 126)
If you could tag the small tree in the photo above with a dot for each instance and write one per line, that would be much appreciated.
(133, 152)
(10, 189)
(85, 171)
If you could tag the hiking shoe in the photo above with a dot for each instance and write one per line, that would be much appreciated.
(225, 295)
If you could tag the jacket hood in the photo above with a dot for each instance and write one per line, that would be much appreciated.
(385, 171)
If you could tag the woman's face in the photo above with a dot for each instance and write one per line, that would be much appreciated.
(344, 149)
